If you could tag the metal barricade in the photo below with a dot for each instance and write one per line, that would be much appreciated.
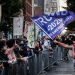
(36, 63)
(51, 59)
(18, 68)
(58, 54)
(2, 71)
(45, 60)
(30, 66)
(21, 68)
(39, 63)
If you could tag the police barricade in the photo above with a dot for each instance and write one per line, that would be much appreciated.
(51, 58)
(21, 68)
(58, 54)
(31, 66)
(38, 63)
(43, 61)
(35, 64)
(55, 55)
(17, 68)
(1, 71)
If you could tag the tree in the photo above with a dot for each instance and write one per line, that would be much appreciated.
(71, 7)
(10, 8)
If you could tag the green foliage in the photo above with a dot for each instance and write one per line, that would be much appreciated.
(10, 8)
(71, 7)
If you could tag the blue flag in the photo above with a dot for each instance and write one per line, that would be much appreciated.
(51, 26)
(67, 16)
(54, 23)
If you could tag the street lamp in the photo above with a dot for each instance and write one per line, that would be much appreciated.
(64, 31)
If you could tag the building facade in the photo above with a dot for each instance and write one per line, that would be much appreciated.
(61, 5)
(38, 7)
(50, 6)
(32, 8)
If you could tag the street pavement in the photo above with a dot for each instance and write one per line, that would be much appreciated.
(64, 68)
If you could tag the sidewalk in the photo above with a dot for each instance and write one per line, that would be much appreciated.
(64, 68)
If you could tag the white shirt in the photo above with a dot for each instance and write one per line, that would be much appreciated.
(46, 44)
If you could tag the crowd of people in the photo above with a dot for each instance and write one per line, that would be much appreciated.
(16, 50)
(68, 43)
(11, 51)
